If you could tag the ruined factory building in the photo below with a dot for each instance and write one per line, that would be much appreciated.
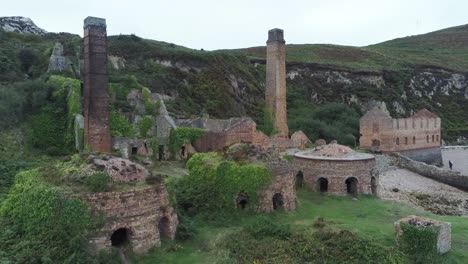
(417, 137)
(336, 169)
(138, 217)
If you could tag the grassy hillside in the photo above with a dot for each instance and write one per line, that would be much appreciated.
(447, 48)
(370, 218)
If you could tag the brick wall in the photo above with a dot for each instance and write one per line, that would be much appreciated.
(283, 183)
(336, 172)
(95, 91)
(140, 211)
(275, 90)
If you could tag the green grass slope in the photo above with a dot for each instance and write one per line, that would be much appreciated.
(368, 217)
(446, 48)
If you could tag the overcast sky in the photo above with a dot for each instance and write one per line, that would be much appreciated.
(225, 24)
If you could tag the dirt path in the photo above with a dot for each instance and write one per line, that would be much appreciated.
(406, 186)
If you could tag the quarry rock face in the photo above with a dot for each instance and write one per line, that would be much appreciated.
(57, 61)
(19, 24)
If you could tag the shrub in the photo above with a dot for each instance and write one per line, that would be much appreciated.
(120, 126)
(98, 182)
(214, 183)
(145, 125)
(183, 135)
(41, 225)
(419, 243)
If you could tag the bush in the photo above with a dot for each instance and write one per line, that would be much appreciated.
(331, 121)
(185, 228)
(419, 243)
(183, 135)
(145, 125)
(213, 184)
(41, 225)
(120, 126)
(98, 182)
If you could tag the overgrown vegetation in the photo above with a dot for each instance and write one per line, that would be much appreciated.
(419, 243)
(332, 121)
(183, 135)
(40, 223)
(266, 241)
(323, 229)
(120, 126)
(214, 183)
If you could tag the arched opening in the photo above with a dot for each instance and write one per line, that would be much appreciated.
(277, 201)
(427, 139)
(134, 150)
(406, 140)
(322, 185)
(164, 230)
(414, 140)
(352, 185)
(242, 200)
(299, 179)
(375, 145)
(437, 138)
(120, 237)
(160, 152)
(398, 141)
(182, 151)
(374, 186)
(433, 138)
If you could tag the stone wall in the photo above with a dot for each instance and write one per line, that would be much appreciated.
(283, 186)
(140, 212)
(450, 177)
(336, 172)
(432, 156)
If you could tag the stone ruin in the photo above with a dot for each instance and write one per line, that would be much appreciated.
(281, 193)
(443, 243)
(138, 217)
(336, 169)
(57, 61)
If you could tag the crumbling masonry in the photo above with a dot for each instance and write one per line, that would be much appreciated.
(95, 78)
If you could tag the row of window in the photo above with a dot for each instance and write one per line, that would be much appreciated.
(414, 124)
(435, 138)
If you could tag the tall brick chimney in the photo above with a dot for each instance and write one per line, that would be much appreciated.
(275, 91)
(95, 91)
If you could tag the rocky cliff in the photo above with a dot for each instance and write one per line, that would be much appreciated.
(19, 24)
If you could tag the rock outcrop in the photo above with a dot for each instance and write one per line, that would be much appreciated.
(19, 24)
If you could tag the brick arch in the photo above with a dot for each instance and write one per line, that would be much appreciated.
(121, 237)
(352, 185)
(322, 184)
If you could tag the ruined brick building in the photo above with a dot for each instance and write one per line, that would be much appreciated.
(222, 133)
(137, 216)
(336, 169)
(417, 137)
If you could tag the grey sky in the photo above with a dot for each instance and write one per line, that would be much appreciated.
(224, 24)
